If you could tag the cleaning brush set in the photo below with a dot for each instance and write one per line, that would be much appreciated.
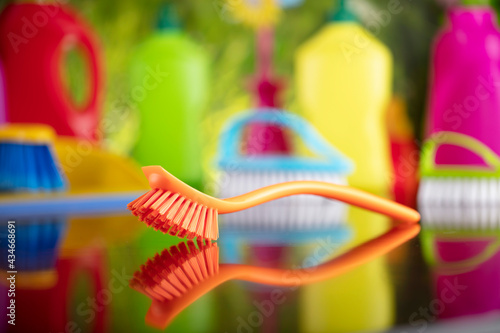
(180, 275)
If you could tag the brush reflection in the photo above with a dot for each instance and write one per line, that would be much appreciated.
(178, 276)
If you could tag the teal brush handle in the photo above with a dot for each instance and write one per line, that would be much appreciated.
(328, 158)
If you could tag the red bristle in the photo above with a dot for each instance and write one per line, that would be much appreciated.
(157, 224)
(132, 203)
(175, 255)
(170, 283)
(194, 221)
(175, 208)
(148, 292)
(169, 286)
(215, 260)
(201, 222)
(150, 217)
(143, 216)
(186, 265)
(145, 206)
(186, 221)
(158, 289)
(183, 251)
(184, 276)
(176, 215)
(164, 227)
(174, 230)
(209, 259)
(171, 259)
(214, 233)
(208, 224)
(182, 233)
(176, 280)
(155, 293)
(166, 257)
(161, 226)
(143, 198)
(161, 200)
(168, 203)
(200, 244)
(165, 272)
(135, 284)
(176, 270)
(202, 264)
(179, 217)
(192, 247)
(196, 269)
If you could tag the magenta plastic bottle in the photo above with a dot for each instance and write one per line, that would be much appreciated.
(474, 289)
(464, 92)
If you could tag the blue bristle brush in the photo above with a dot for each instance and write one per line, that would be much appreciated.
(28, 164)
(27, 159)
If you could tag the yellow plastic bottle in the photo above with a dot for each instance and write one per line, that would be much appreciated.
(344, 83)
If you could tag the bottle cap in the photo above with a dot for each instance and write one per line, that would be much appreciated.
(168, 18)
(343, 14)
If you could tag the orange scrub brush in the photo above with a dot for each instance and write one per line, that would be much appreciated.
(174, 207)
(180, 275)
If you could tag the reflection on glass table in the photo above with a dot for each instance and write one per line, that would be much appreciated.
(76, 272)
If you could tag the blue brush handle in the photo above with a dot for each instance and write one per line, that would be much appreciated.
(67, 205)
(329, 159)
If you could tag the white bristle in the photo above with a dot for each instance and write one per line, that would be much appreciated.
(294, 212)
(460, 202)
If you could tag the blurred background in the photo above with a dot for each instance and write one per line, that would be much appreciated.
(230, 96)
(229, 44)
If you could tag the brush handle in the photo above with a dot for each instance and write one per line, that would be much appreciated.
(327, 157)
(337, 266)
(159, 178)
(342, 193)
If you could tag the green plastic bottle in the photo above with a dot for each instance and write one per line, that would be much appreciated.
(169, 83)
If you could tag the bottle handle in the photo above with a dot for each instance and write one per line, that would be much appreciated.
(80, 39)
(94, 67)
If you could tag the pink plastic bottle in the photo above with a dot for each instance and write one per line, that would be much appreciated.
(464, 95)
(474, 289)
